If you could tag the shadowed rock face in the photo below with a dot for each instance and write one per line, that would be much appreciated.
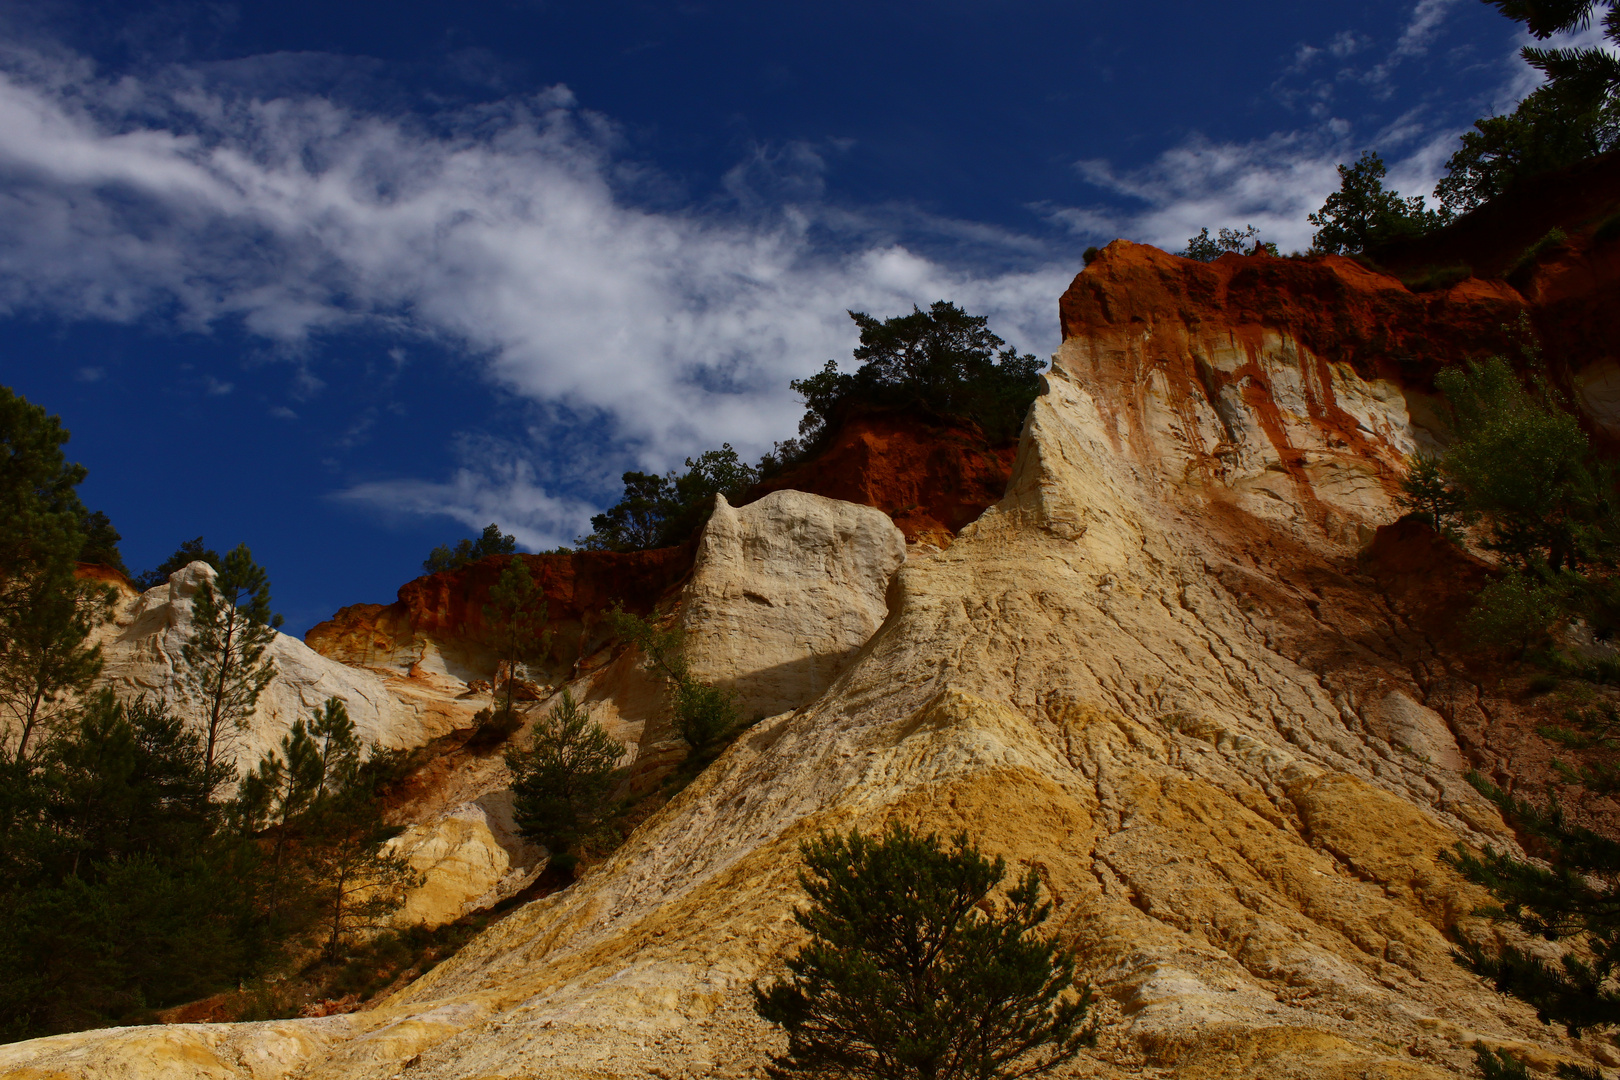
(444, 613)
(1160, 670)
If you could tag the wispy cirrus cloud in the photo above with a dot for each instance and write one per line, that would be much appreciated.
(509, 231)
(1275, 182)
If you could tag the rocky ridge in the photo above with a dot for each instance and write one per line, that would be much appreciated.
(1182, 668)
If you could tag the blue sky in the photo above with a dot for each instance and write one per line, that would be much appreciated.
(344, 281)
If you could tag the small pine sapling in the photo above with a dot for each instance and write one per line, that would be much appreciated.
(562, 782)
(704, 714)
(232, 627)
(912, 970)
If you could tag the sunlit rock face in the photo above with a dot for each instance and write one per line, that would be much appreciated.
(784, 593)
(143, 645)
(1168, 671)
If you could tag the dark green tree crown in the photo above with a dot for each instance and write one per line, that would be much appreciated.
(912, 970)
(491, 542)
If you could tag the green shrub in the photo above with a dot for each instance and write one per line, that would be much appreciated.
(1544, 683)
(704, 715)
(1436, 278)
(1514, 610)
(1554, 239)
(1499, 1064)
(493, 725)
(912, 971)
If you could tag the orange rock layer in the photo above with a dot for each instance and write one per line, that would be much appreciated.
(579, 588)
(931, 476)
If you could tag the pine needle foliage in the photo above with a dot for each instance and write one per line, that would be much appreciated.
(1499, 1064)
(490, 542)
(46, 613)
(231, 628)
(913, 972)
(1574, 898)
(189, 551)
(941, 362)
(1206, 248)
(515, 628)
(1429, 493)
(704, 714)
(562, 781)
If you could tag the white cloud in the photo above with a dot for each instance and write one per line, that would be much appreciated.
(1270, 183)
(502, 230)
(1273, 183)
(1420, 30)
(506, 492)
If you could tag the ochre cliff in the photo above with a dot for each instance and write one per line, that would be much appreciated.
(932, 476)
(447, 608)
(1187, 667)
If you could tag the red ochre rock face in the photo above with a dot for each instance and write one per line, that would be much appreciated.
(579, 588)
(1301, 386)
(931, 476)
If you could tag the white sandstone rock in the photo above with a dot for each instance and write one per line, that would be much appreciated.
(784, 593)
(470, 858)
(142, 652)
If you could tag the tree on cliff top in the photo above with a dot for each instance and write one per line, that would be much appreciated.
(491, 542)
(1363, 213)
(941, 361)
(662, 511)
(188, 552)
(1205, 248)
(912, 971)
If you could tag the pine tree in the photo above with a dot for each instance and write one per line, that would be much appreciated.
(231, 627)
(118, 893)
(1429, 493)
(491, 542)
(357, 882)
(44, 662)
(46, 614)
(1574, 897)
(911, 970)
(188, 552)
(514, 621)
(562, 782)
(1363, 213)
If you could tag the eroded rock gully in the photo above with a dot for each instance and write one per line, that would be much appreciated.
(1158, 670)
